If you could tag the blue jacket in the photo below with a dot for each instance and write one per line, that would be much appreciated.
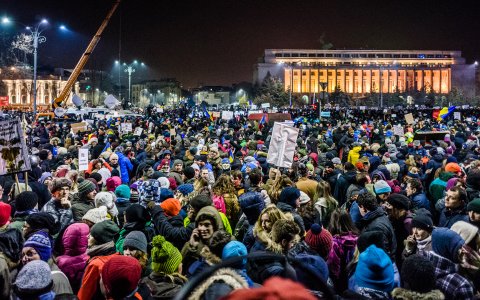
(420, 200)
(125, 167)
(450, 217)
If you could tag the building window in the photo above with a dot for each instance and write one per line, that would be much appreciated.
(328, 55)
(311, 55)
(330, 73)
(396, 56)
(363, 55)
(337, 55)
(379, 55)
(354, 55)
(304, 73)
(321, 55)
(371, 56)
(294, 54)
(303, 54)
(388, 56)
(286, 54)
(278, 54)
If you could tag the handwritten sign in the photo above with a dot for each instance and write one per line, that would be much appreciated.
(13, 149)
(82, 159)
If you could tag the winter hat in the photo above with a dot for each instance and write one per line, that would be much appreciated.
(165, 257)
(466, 230)
(252, 205)
(164, 183)
(314, 264)
(368, 238)
(200, 201)
(418, 274)
(86, 187)
(137, 240)
(42, 221)
(446, 243)
(173, 183)
(171, 207)
(59, 183)
(113, 156)
(453, 168)
(336, 161)
(399, 201)
(185, 189)
(381, 187)
(423, 220)
(45, 176)
(123, 191)
(97, 176)
(273, 288)
(289, 195)
(96, 215)
(41, 243)
(474, 205)
(451, 183)
(112, 183)
(137, 213)
(473, 179)
(235, 249)
(121, 275)
(177, 162)
(95, 183)
(374, 270)
(33, 280)
(319, 239)
(5, 211)
(107, 199)
(149, 191)
(104, 232)
(304, 198)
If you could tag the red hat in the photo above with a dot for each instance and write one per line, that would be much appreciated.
(453, 168)
(171, 207)
(120, 276)
(5, 211)
(173, 183)
(319, 239)
(273, 288)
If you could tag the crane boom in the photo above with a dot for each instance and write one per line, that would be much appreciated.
(83, 60)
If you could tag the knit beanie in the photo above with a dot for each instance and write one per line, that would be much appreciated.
(374, 270)
(189, 172)
(96, 215)
(26, 201)
(121, 275)
(43, 221)
(41, 243)
(314, 264)
(59, 183)
(107, 199)
(137, 213)
(123, 191)
(5, 211)
(200, 201)
(173, 183)
(86, 187)
(185, 189)
(289, 195)
(473, 179)
(399, 201)
(474, 205)
(104, 232)
(319, 239)
(422, 220)
(134, 197)
(98, 177)
(33, 280)
(165, 257)
(95, 183)
(446, 243)
(382, 187)
(235, 249)
(112, 183)
(466, 230)
(171, 207)
(453, 168)
(136, 240)
(418, 274)
(177, 162)
(368, 238)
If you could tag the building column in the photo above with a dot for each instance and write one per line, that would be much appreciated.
(371, 80)
(414, 81)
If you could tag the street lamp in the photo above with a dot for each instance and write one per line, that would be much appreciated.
(131, 69)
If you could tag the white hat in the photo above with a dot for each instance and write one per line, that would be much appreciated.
(107, 199)
(164, 183)
(96, 215)
(304, 198)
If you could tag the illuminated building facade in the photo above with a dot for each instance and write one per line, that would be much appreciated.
(362, 72)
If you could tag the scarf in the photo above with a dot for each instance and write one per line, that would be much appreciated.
(100, 250)
(423, 243)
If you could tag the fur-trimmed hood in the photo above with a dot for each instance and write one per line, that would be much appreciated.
(209, 257)
(265, 238)
(404, 294)
(226, 276)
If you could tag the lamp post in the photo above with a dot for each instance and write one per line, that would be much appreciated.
(130, 68)
(37, 39)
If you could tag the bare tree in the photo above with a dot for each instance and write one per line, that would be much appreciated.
(22, 45)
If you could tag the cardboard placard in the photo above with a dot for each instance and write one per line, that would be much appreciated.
(138, 131)
(82, 159)
(457, 115)
(265, 105)
(173, 132)
(215, 114)
(227, 115)
(398, 130)
(13, 149)
(127, 127)
(409, 118)
(282, 145)
(79, 127)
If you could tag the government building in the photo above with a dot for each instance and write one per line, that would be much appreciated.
(362, 72)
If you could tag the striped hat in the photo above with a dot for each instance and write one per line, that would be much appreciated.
(165, 257)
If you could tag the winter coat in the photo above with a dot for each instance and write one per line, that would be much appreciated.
(90, 288)
(63, 216)
(80, 208)
(377, 220)
(404, 294)
(354, 154)
(11, 243)
(122, 205)
(308, 186)
(74, 259)
(146, 228)
(341, 187)
(343, 248)
(164, 287)
(448, 217)
(420, 200)
(438, 186)
(125, 167)
(219, 284)
(177, 176)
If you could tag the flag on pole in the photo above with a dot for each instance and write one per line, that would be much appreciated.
(207, 114)
(250, 102)
(264, 117)
(230, 156)
(445, 112)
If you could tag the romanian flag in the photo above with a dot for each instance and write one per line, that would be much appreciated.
(207, 114)
(264, 118)
(445, 112)
(249, 101)
(230, 156)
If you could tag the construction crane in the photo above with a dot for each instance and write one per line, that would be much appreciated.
(60, 100)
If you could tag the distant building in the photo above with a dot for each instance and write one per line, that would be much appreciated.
(167, 91)
(361, 72)
(212, 95)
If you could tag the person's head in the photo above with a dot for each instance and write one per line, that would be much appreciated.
(319, 239)
(102, 233)
(189, 173)
(456, 197)
(37, 247)
(208, 221)
(40, 221)
(473, 209)
(178, 165)
(468, 232)
(95, 215)
(284, 232)
(223, 185)
(268, 217)
(382, 189)
(204, 173)
(165, 257)
(341, 222)
(397, 206)
(414, 186)
(255, 177)
(447, 243)
(134, 242)
(375, 270)
(113, 160)
(60, 188)
(120, 277)
(366, 202)
(290, 196)
(200, 183)
(418, 274)
(86, 190)
(5, 211)
(237, 178)
(422, 225)
(324, 190)
(34, 280)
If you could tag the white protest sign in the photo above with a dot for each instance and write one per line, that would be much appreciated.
(457, 115)
(60, 111)
(82, 159)
(362, 107)
(282, 145)
(138, 131)
(394, 115)
(77, 101)
(227, 115)
(409, 118)
(127, 127)
(398, 130)
(265, 105)
(13, 149)
(253, 106)
(173, 132)
(110, 101)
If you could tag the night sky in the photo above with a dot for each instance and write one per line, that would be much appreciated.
(214, 42)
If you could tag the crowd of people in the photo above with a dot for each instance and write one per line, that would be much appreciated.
(188, 207)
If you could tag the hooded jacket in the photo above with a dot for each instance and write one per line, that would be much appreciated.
(438, 186)
(354, 154)
(125, 167)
